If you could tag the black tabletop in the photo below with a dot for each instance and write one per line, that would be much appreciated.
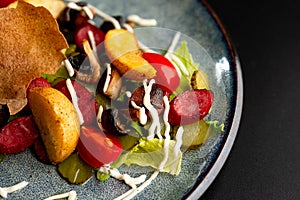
(265, 160)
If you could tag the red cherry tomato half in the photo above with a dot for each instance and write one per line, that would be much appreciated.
(167, 75)
(82, 33)
(38, 82)
(97, 148)
(5, 3)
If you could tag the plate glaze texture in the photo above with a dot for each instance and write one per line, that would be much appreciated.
(209, 47)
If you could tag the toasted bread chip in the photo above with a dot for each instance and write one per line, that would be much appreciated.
(30, 44)
(54, 6)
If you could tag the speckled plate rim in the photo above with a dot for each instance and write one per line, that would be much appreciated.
(215, 167)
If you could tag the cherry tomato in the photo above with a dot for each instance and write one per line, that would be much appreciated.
(5, 3)
(38, 82)
(166, 75)
(97, 148)
(82, 33)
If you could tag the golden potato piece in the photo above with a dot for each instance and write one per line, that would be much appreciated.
(57, 121)
(54, 6)
(122, 49)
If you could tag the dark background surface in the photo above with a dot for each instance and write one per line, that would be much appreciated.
(265, 160)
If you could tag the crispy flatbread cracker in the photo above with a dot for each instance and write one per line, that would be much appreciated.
(30, 45)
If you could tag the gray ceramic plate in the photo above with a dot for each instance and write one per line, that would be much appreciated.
(211, 48)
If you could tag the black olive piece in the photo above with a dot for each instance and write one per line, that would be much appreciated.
(106, 25)
(4, 115)
(111, 122)
(77, 60)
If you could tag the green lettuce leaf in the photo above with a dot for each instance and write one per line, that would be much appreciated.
(215, 128)
(151, 153)
(2, 157)
(182, 52)
(60, 74)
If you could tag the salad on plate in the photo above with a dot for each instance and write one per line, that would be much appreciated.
(88, 97)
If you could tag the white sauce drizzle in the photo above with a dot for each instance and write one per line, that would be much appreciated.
(143, 47)
(141, 21)
(72, 195)
(178, 64)
(128, 27)
(178, 140)
(132, 182)
(99, 115)
(93, 41)
(174, 42)
(69, 67)
(155, 125)
(173, 58)
(141, 114)
(74, 6)
(88, 12)
(167, 134)
(133, 192)
(86, 9)
(6, 190)
(106, 17)
(108, 77)
(74, 100)
(128, 94)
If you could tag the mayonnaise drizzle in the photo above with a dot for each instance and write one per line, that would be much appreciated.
(167, 134)
(88, 12)
(155, 125)
(86, 9)
(6, 190)
(69, 67)
(99, 115)
(72, 195)
(141, 21)
(74, 100)
(141, 114)
(128, 94)
(132, 182)
(173, 58)
(133, 192)
(178, 140)
(106, 17)
(108, 77)
(143, 47)
(93, 41)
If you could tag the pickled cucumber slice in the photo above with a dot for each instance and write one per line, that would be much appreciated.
(75, 170)
(195, 134)
(199, 80)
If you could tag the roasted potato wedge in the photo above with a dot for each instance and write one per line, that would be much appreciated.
(57, 121)
(122, 49)
(54, 6)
